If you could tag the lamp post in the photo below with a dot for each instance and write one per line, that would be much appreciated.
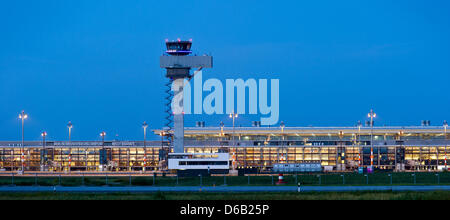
(102, 154)
(371, 115)
(44, 153)
(283, 151)
(162, 138)
(400, 134)
(359, 144)
(70, 126)
(221, 135)
(44, 135)
(445, 141)
(233, 116)
(222, 125)
(144, 126)
(103, 134)
(23, 116)
(339, 152)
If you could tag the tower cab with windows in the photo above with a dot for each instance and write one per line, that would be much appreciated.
(178, 47)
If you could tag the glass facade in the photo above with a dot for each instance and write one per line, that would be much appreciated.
(410, 148)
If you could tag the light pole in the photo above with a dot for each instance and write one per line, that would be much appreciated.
(103, 134)
(339, 152)
(70, 126)
(233, 116)
(23, 116)
(103, 153)
(144, 126)
(162, 138)
(283, 151)
(44, 153)
(221, 135)
(371, 115)
(400, 134)
(359, 144)
(222, 125)
(445, 141)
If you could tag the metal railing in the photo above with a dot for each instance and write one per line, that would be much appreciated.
(163, 179)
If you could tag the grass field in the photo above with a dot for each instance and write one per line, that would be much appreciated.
(231, 196)
(304, 179)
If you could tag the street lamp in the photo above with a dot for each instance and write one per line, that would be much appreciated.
(445, 129)
(162, 133)
(144, 126)
(103, 134)
(221, 135)
(445, 141)
(23, 116)
(283, 151)
(400, 134)
(371, 115)
(359, 124)
(340, 152)
(221, 128)
(44, 153)
(233, 116)
(102, 152)
(70, 126)
(43, 134)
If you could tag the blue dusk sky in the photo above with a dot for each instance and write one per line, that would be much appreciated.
(96, 63)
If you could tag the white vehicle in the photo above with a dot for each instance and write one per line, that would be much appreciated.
(199, 161)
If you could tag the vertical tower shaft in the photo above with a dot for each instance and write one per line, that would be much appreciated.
(178, 65)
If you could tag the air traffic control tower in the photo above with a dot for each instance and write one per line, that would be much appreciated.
(178, 62)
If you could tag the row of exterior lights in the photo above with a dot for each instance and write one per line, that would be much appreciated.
(44, 134)
(372, 115)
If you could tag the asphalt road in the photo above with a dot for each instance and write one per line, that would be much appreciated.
(142, 189)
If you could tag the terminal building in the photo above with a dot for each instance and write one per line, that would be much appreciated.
(410, 148)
